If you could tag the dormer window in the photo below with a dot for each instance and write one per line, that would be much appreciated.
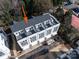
(21, 35)
(32, 30)
(53, 21)
(47, 23)
(40, 27)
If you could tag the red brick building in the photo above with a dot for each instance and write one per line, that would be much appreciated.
(75, 22)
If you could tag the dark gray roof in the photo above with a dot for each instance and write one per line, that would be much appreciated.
(21, 25)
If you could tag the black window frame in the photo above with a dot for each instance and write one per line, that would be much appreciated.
(23, 43)
(33, 38)
(41, 35)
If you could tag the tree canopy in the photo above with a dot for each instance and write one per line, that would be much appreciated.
(5, 16)
(57, 2)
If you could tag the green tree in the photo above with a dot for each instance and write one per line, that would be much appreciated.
(57, 2)
(5, 16)
(65, 28)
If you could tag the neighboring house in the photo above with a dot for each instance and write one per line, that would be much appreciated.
(74, 1)
(75, 22)
(70, 6)
(73, 7)
(76, 11)
(36, 31)
(4, 49)
(71, 54)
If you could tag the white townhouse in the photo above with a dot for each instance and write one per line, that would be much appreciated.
(36, 31)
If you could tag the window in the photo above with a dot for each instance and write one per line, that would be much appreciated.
(32, 30)
(28, 32)
(41, 35)
(40, 27)
(48, 23)
(18, 37)
(33, 38)
(23, 35)
(23, 43)
(55, 29)
(53, 20)
(49, 31)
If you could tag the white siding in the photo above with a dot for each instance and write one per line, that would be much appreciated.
(40, 34)
(26, 45)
